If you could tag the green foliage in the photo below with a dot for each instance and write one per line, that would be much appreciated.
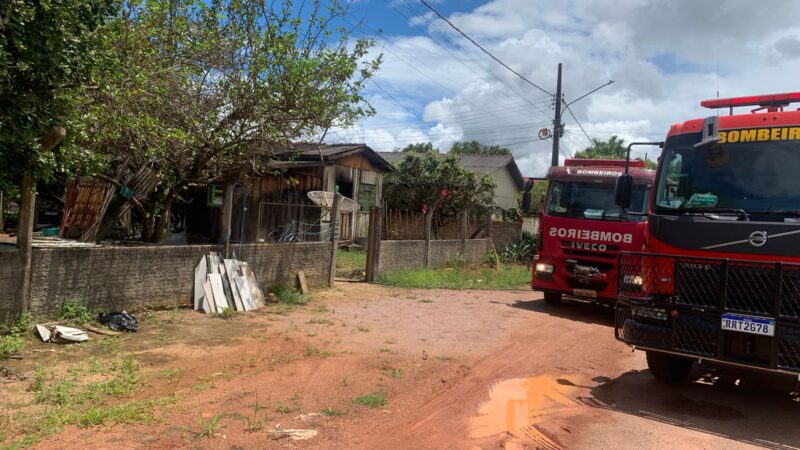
(420, 147)
(75, 313)
(197, 89)
(208, 427)
(521, 251)
(439, 182)
(227, 313)
(373, 400)
(476, 148)
(457, 261)
(291, 296)
(48, 54)
(490, 259)
(331, 412)
(9, 345)
(509, 277)
(613, 148)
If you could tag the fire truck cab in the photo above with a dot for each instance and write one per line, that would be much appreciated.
(582, 231)
(719, 277)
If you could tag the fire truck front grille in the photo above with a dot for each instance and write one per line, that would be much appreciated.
(698, 283)
(639, 332)
(696, 335)
(790, 293)
(789, 347)
(751, 288)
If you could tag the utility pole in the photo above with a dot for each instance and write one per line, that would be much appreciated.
(557, 120)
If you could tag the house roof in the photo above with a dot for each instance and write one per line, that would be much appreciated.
(307, 154)
(484, 164)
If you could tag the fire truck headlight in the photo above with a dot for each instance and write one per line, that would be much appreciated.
(635, 280)
(544, 268)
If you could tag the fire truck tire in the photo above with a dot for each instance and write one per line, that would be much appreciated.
(552, 298)
(672, 369)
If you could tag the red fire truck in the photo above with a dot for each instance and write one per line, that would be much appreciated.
(719, 277)
(583, 231)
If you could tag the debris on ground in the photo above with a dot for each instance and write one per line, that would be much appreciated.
(119, 321)
(10, 375)
(294, 434)
(221, 284)
(61, 335)
(100, 331)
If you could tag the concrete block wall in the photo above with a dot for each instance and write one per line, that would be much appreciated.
(396, 256)
(9, 277)
(134, 278)
(504, 233)
(443, 253)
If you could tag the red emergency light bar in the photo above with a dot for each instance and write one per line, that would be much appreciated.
(636, 163)
(753, 100)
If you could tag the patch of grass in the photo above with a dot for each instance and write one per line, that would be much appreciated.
(351, 260)
(362, 329)
(321, 309)
(287, 409)
(313, 352)
(199, 387)
(445, 358)
(345, 381)
(510, 276)
(373, 400)
(254, 422)
(209, 426)
(426, 300)
(394, 373)
(327, 322)
(9, 345)
(331, 412)
(226, 313)
(384, 350)
(12, 342)
(75, 313)
(390, 341)
(171, 374)
(291, 296)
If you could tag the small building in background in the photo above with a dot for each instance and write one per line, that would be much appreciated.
(276, 206)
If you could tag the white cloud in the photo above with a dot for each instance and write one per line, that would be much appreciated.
(662, 56)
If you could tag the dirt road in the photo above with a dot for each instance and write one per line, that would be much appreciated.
(457, 370)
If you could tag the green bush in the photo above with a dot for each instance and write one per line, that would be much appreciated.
(9, 345)
(75, 313)
(291, 296)
(521, 251)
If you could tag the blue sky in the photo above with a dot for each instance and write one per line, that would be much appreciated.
(663, 56)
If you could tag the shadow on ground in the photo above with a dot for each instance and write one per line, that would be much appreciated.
(572, 309)
(755, 408)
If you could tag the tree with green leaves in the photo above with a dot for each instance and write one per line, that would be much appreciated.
(613, 148)
(420, 147)
(48, 53)
(207, 92)
(476, 148)
(427, 181)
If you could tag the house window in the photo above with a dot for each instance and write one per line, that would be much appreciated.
(366, 196)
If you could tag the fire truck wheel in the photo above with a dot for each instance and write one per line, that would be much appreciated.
(552, 298)
(672, 369)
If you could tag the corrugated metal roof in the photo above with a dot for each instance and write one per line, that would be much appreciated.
(309, 152)
(479, 163)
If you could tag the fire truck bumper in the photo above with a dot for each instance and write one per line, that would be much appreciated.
(740, 313)
(577, 280)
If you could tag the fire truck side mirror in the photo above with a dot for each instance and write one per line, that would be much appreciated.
(623, 191)
(526, 201)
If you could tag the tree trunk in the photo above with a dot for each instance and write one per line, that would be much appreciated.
(160, 222)
(27, 211)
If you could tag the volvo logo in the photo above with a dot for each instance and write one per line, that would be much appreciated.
(758, 238)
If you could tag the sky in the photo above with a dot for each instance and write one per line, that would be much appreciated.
(664, 57)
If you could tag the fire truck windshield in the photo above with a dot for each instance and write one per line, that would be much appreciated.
(593, 200)
(752, 177)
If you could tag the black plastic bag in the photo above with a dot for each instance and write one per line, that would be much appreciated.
(119, 321)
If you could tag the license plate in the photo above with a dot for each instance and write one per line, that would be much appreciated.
(748, 324)
(585, 293)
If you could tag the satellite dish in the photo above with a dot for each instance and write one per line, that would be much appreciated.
(325, 200)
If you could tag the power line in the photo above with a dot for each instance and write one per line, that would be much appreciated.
(483, 49)
(569, 110)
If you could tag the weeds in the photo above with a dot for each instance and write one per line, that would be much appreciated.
(75, 313)
(254, 422)
(426, 300)
(317, 353)
(227, 313)
(373, 400)
(508, 277)
(11, 343)
(290, 296)
(321, 309)
(394, 373)
(345, 381)
(362, 329)
(208, 427)
(331, 412)
(327, 322)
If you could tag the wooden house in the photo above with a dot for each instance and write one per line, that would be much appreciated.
(276, 205)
